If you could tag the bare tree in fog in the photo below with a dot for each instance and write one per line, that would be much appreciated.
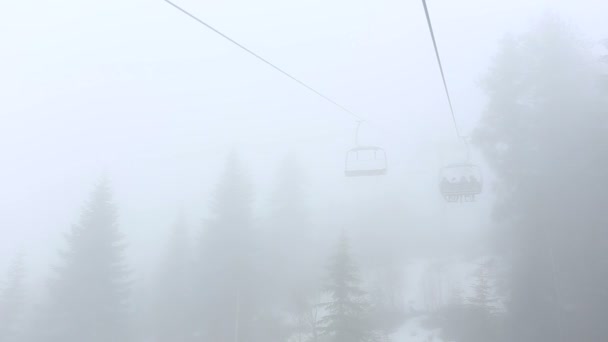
(12, 301)
(544, 133)
(348, 316)
(90, 290)
(174, 306)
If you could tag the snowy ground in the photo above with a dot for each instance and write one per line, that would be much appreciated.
(413, 331)
(429, 285)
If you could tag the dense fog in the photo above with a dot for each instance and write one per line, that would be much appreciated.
(319, 171)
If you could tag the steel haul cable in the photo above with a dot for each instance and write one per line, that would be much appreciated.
(267, 62)
(445, 84)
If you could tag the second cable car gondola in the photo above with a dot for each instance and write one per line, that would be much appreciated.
(365, 160)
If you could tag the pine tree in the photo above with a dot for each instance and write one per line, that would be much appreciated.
(174, 303)
(289, 211)
(474, 319)
(482, 297)
(483, 321)
(89, 292)
(12, 301)
(290, 264)
(545, 105)
(226, 282)
(290, 222)
(348, 313)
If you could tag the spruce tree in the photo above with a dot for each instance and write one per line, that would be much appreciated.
(546, 105)
(174, 303)
(483, 322)
(474, 319)
(290, 219)
(12, 301)
(482, 295)
(226, 284)
(89, 292)
(348, 313)
(290, 260)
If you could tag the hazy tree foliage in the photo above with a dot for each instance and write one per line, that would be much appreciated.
(544, 134)
(174, 307)
(475, 318)
(290, 240)
(483, 296)
(291, 261)
(90, 290)
(12, 301)
(348, 317)
(226, 266)
(485, 321)
(388, 309)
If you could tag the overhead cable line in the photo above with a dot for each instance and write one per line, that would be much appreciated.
(341, 107)
(445, 84)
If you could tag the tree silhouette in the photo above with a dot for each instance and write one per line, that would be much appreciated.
(543, 132)
(290, 262)
(348, 313)
(89, 292)
(226, 282)
(12, 296)
(175, 289)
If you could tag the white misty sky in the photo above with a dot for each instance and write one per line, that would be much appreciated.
(139, 91)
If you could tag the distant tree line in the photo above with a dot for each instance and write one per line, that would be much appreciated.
(234, 283)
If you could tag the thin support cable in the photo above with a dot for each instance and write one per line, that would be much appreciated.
(357, 132)
(445, 84)
(348, 111)
(468, 149)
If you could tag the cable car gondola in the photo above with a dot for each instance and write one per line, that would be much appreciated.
(365, 160)
(460, 182)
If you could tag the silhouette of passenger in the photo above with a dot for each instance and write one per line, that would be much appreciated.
(475, 184)
(444, 186)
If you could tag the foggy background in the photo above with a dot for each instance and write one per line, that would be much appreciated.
(139, 93)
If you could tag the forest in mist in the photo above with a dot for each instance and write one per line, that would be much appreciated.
(256, 235)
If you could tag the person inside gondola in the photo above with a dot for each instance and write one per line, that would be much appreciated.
(445, 185)
(475, 184)
(463, 184)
